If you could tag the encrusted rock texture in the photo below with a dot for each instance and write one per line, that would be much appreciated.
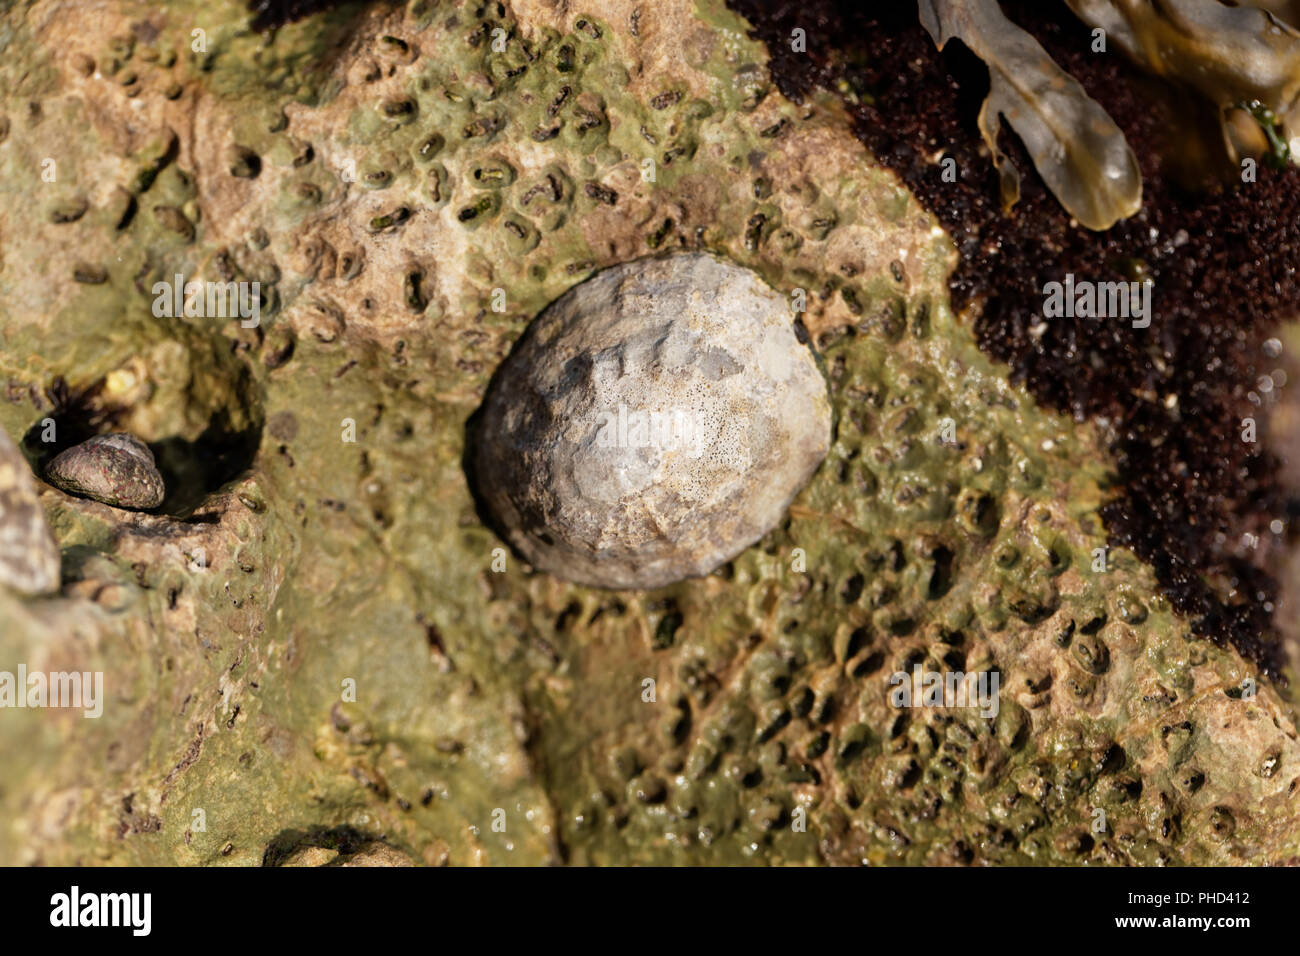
(309, 654)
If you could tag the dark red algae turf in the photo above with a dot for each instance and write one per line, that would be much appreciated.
(1224, 264)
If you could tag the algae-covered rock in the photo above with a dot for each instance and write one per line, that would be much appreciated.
(315, 652)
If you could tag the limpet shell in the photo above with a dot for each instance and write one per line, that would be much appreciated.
(117, 469)
(651, 424)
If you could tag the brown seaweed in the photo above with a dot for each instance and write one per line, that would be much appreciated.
(1077, 149)
(1232, 56)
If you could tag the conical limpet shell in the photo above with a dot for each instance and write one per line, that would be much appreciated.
(116, 469)
(651, 424)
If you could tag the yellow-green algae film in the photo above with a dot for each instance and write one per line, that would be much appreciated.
(323, 650)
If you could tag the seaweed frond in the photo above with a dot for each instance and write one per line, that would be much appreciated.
(1076, 147)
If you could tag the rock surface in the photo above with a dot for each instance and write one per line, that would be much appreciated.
(652, 423)
(29, 557)
(321, 648)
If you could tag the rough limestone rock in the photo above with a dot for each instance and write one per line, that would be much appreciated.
(653, 423)
(312, 645)
(29, 556)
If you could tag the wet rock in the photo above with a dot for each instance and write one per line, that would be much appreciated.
(652, 423)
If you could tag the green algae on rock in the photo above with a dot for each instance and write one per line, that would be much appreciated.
(652, 423)
(324, 655)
